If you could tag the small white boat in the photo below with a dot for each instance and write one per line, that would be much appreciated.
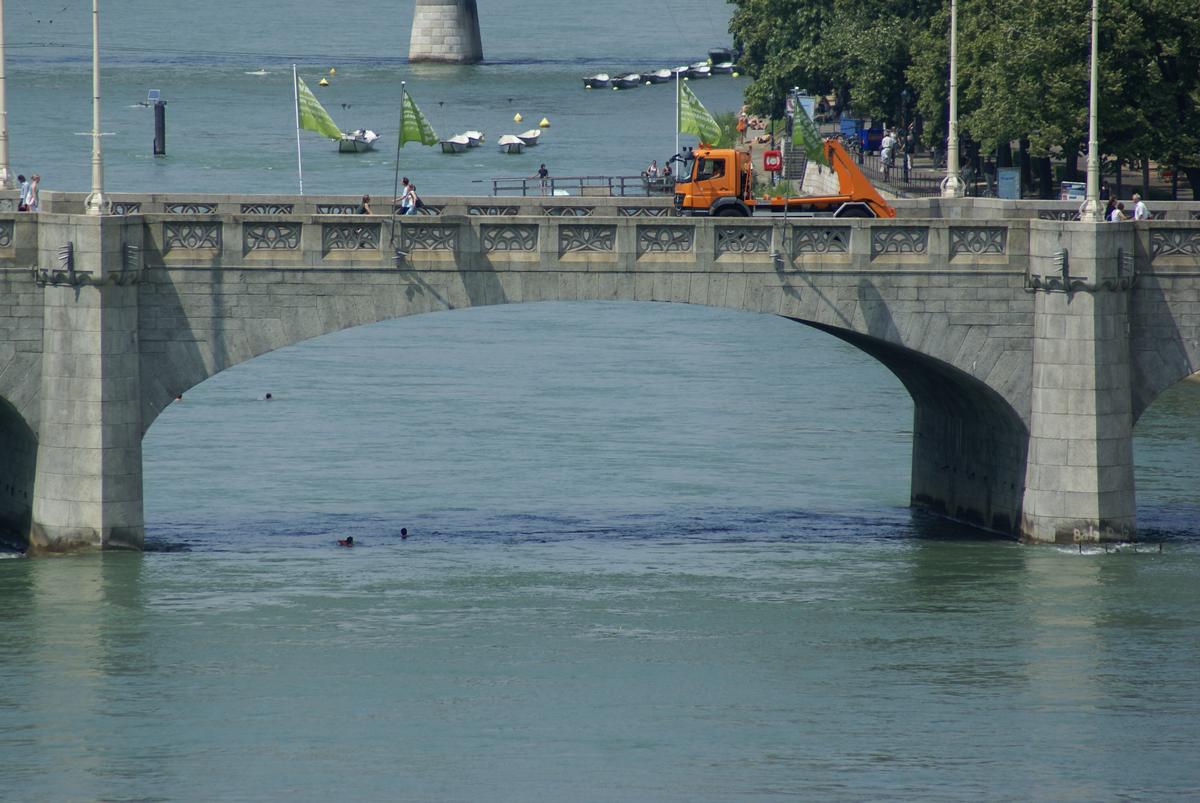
(598, 81)
(530, 137)
(511, 144)
(473, 138)
(658, 76)
(700, 69)
(724, 68)
(360, 140)
(627, 81)
(456, 144)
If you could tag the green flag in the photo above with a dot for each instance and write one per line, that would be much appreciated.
(694, 118)
(413, 125)
(312, 114)
(806, 136)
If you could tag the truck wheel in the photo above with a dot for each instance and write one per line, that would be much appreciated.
(729, 211)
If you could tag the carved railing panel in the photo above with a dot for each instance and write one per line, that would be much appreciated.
(809, 240)
(1058, 214)
(644, 211)
(8, 205)
(1174, 242)
(423, 209)
(574, 238)
(568, 211)
(899, 240)
(271, 236)
(510, 237)
(267, 209)
(125, 207)
(743, 240)
(350, 236)
(978, 240)
(493, 211)
(337, 209)
(664, 239)
(428, 237)
(191, 235)
(6, 233)
(188, 208)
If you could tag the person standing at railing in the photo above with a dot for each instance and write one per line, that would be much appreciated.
(887, 150)
(543, 175)
(32, 200)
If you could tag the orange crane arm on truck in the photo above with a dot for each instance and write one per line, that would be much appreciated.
(721, 183)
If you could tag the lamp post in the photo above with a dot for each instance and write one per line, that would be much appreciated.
(6, 179)
(952, 184)
(1091, 210)
(96, 203)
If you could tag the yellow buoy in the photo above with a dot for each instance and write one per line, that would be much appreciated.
(333, 70)
(545, 123)
(323, 82)
(737, 75)
(517, 117)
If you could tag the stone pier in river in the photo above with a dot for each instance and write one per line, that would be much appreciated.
(445, 31)
(1029, 343)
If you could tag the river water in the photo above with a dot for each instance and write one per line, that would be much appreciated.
(657, 552)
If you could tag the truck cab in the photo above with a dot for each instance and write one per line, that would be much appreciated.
(720, 182)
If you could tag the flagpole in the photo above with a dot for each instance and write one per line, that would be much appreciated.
(396, 178)
(677, 121)
(296, 96)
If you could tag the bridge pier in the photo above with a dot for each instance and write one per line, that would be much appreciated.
(445, 31)
(1079, 483)
(87, 491)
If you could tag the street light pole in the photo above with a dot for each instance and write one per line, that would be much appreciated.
(6, 179)
(96, 203)
(1091, 207)
(952, 184)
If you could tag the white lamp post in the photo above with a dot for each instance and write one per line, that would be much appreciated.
(952, 184)
(96, 203)
(1091, 210)
(6, 179)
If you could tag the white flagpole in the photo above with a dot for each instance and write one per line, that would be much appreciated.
(296, 94)
(677, 120)
(396, 177)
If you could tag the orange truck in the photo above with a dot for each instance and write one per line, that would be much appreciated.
(721, 183)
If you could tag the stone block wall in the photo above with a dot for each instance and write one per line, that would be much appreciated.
(445, 31)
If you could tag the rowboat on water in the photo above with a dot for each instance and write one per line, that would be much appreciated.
(473, 138)
(598, 81)
(530, 137)
(360, 140)
(511, 144)
(456, 144)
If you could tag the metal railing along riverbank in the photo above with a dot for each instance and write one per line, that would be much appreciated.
(621, 186)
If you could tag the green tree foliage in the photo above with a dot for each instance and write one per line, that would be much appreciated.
(1023, 67)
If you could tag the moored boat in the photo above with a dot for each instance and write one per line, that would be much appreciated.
(530, 137)
(474, 138)
(700, 69)
(359, 140)
(511, 144)
(627, 81)
(720, 54)
(456, 144)
(658, 76)
(722, 68)
(598, 81)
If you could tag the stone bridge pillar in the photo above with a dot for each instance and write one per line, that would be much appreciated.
(446, 31)
(1079, 478)
(87, 489)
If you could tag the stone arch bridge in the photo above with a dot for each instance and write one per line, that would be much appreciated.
(1030, 344)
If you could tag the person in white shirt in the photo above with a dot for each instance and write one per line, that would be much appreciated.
(1140, 210)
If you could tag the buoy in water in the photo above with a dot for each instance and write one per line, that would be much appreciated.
(323, 82)
(333, 70)
(737, 75)
(545, 123)
(517, 117)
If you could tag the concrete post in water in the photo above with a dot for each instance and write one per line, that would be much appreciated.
(1079, 478)
(87, 489)
(445, 31)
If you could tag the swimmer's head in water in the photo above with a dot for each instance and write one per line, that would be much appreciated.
(404, 532)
